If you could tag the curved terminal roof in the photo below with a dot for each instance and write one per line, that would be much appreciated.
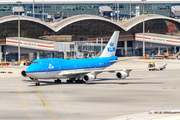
(77, 18)
(26, 18)
(59, 25)
(136, 20)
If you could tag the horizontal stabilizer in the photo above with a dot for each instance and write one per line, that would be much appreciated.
(121, 60)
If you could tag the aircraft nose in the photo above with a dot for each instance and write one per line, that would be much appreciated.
(28, 71)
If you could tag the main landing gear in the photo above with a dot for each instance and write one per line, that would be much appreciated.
(71, 80)
(37, 84)
(57, 81)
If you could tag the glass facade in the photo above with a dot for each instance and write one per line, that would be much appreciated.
(89, 28)
(89, 8)
(82, 30)
(28, 29)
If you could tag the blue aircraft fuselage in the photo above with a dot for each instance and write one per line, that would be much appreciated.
(57, 64)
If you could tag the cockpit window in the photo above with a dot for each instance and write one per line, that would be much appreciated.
(35, 62)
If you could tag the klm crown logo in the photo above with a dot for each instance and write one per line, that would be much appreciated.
(111, 44)
(111, 48)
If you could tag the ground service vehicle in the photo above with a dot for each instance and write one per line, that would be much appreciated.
(156, 66)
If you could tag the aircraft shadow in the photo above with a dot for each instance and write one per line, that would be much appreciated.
(106, 79)
(99, 81)
(125, 83)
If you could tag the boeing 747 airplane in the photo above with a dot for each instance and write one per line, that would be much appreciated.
(78, 70)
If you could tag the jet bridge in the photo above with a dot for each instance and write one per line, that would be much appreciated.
(37, 48)
(158, 39)
(157, 42)
(31, 43)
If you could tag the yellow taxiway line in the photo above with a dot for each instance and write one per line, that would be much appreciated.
(45, 104)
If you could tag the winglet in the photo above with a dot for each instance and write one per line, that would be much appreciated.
(110, 48)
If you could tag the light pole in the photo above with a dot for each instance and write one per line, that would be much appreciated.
(19, 54)
(33, 8)
(118, 11)
(43, 10)
(130, 9)
(143, 30)
(115, 10)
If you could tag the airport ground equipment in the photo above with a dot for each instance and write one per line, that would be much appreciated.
(156, 66)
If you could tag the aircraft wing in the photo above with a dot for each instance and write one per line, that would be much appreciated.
(114, 70)
(74, 73)
(79, 73)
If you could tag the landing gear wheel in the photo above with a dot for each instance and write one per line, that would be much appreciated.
(57, 81)
(80, 81)
(37, 84)
(69, 81)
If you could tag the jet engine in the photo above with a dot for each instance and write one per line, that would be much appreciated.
(88, 78)
(23, 73)
(121, 75)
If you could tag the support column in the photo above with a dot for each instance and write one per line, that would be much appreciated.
(159, 50)
(175, 50)
(37, 56)
(55, 54)
(31, 56)
(122, 51)
(101, 44)
(96, 40)
(43, 54)
(1, 53)
(65, 55)
(125, 48)
(74, 55)
(134, 51)
(51, 55)
(4, 52)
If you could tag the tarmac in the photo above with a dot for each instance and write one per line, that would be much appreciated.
(107, 98)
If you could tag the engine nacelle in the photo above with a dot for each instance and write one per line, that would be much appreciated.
(23, 73)
(88, 78)
(121, 75)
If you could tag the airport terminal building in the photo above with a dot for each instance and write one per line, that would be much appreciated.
(56, 29)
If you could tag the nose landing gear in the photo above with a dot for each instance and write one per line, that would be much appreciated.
(35, 80)
(37, 84)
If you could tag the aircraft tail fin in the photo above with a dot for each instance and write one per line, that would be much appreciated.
(110, 48)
